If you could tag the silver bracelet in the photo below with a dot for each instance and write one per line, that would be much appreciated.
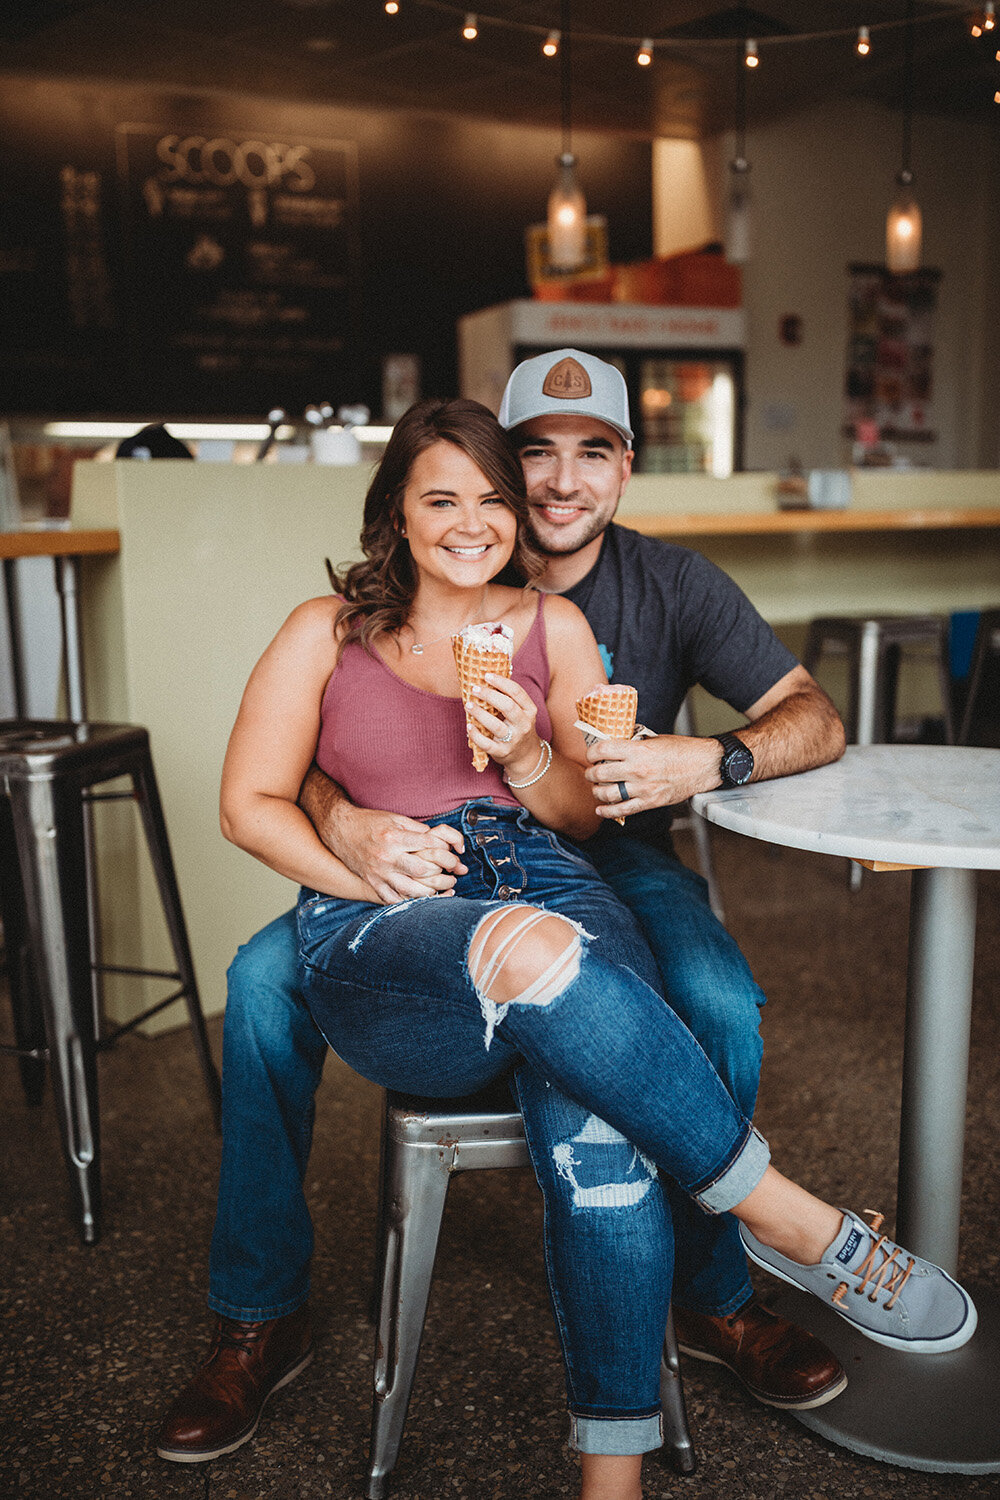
(536, 775)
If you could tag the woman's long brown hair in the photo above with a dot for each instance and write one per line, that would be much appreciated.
(379, 592)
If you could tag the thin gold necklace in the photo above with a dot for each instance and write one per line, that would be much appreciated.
(418, 647)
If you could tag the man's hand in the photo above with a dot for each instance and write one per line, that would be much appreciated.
(656, 772)
(792, 728)
(399, 857)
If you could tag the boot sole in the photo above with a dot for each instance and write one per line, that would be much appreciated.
(907, 1346)
(205, 1455)
(792, 1403)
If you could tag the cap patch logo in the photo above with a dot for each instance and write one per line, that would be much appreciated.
(567, 381)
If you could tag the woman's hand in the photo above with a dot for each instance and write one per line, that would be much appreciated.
(506, 726)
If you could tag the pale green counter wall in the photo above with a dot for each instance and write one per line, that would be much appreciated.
(214, 557)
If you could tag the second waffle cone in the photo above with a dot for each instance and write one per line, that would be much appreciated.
(610, 710)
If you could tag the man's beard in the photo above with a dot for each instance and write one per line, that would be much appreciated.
(595, 528)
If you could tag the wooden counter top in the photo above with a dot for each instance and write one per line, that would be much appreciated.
(782, 522)
(67, 543)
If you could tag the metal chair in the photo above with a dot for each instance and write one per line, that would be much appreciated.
(424, 1141)
(48, 769)
(875, 647)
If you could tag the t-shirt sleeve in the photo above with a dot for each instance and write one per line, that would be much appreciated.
(728, 647)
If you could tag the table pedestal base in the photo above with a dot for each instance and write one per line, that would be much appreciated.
(936, 1412)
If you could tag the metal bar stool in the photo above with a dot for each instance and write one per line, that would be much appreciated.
(423, 1142)
(981, 716)
(875, 647)
(48, 769)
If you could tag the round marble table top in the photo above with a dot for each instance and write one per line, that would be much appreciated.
(933, 805)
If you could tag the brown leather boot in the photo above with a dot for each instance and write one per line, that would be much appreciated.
(779, 1363)
(221, 1407)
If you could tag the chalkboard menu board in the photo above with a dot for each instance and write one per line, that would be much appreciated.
(169, 251)
(239, 249)
(174, 262)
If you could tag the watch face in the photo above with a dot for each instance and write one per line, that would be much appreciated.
(737, 765)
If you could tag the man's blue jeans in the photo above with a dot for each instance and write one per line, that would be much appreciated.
(273, 1055)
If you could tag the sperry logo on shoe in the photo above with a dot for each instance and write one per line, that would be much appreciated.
(847, 1251)
(568, 381)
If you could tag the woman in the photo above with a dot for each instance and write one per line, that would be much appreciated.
(531, 965)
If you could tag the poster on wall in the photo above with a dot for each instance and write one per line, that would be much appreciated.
(241, 249)
(890, 356)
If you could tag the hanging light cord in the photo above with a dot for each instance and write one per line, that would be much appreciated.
(741, 106)
(565, 77)
(908, 88)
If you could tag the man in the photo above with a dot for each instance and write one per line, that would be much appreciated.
(665, 618)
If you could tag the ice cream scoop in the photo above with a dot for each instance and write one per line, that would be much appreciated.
(482, 648)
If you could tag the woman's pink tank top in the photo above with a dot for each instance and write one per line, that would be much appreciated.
(402, 749)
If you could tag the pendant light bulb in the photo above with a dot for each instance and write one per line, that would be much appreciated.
(644, 56)
(864, 43)
(750, 55)
(391, 7)
(550, 46)
(471, 28)
(903, 229)
(567, 222)
(990, 16)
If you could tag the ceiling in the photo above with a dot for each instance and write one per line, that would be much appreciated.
(350, 52)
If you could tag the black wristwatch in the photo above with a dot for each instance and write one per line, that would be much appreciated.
(736, 766)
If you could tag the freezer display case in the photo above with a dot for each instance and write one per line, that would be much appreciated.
(683, 367)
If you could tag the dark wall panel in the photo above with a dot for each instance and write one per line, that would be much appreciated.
(169, 252)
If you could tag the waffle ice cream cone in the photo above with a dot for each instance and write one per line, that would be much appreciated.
(608, 713)
(609, 710)
(479, 649)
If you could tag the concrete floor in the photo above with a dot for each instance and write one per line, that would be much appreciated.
(96, 1341)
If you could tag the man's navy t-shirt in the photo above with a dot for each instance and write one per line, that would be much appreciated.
(666, 618)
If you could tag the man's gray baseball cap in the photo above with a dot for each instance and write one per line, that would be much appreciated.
(566, 383)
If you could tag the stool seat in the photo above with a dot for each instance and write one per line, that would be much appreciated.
(40, 747)
(48, 904)
(425, 1141)
(875, 646)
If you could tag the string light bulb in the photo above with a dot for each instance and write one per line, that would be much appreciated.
(863, 45)
(644, 56)
(550, 46)
(471, 28)
(391, 7)
(975, 28)
(989, 16)
(750, 56)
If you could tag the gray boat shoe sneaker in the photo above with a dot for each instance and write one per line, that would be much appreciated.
(888, 1294)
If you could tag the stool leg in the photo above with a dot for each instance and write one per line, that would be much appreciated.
(380, 1216)
(677, 1434)
(29, 1028)
(944, 680)
(416, 1187)
(48, 824)
(151, 811)
(703, 844)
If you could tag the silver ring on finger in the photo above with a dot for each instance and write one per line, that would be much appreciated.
(507, 737)
(623, 791)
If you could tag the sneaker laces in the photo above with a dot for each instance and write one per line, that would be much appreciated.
(890, 1275)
